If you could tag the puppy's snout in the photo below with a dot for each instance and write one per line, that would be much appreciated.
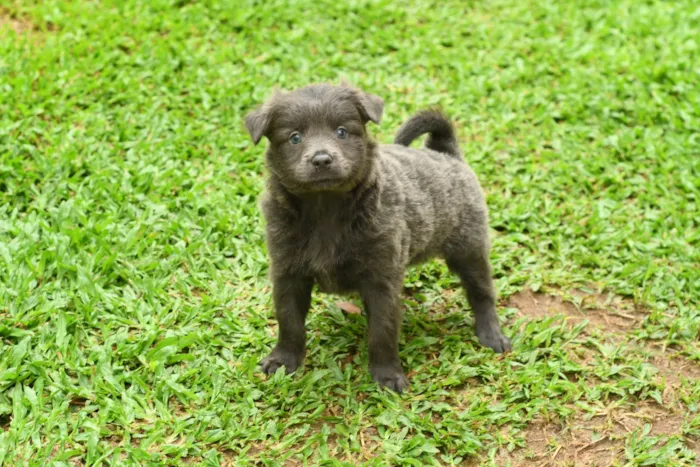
(321, 159)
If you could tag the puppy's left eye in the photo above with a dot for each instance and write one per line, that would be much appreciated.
(341, 132)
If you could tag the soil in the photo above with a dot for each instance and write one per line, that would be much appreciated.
(598, 439)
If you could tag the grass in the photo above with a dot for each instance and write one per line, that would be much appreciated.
(134, 305)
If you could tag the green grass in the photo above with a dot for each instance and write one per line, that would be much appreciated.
(134, 305)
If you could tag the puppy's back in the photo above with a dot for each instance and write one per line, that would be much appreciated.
(434, 194)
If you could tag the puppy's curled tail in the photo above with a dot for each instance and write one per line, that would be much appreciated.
(442, 134)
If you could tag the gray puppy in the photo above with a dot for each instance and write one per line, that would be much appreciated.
(350, 215)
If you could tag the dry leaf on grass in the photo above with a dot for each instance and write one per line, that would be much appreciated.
(350, 308)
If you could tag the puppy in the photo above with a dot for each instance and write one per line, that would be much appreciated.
(350, 215)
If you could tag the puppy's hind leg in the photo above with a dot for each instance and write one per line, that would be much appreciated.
(472, 266)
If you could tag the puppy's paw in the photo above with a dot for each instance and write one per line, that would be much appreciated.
(494, 339)
(390, 377)
(278, 358)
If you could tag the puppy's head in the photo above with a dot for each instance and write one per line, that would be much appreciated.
(318, 140)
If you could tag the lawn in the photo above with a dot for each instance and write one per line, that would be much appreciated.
(134, 303)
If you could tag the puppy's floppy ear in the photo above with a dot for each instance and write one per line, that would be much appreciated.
(371, 107)
(257, 122)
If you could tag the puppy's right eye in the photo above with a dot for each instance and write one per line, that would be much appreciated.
(295, 138)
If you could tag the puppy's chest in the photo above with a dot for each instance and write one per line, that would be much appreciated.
(328, 250)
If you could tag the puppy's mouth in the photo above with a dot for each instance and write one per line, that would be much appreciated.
(325, 177)
(320, 182)
(326, 182)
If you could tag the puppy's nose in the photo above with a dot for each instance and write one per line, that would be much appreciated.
(321, 159)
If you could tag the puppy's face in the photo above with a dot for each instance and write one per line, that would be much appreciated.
(318, 141)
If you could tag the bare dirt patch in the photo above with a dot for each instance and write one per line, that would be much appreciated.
(673, 366)
(599, 438)
(21, 25)
(18, 25)
(613, 316)
(596, 439)
(611, 313)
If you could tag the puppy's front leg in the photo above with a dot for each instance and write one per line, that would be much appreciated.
(384, 316)
(292, 298)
